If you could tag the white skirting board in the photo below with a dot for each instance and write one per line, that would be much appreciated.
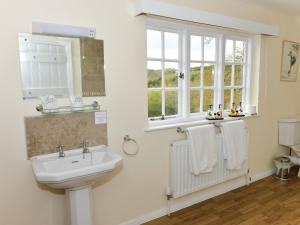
(262, 175)
(199, 197)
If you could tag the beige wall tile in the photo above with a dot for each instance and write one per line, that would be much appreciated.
(44, 133)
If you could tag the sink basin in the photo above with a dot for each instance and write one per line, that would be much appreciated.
(75, 169)
(76, 172)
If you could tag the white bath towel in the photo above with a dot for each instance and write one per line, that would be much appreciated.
(235, 144)
(203, 148)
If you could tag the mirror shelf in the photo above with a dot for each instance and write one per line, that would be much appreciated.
(94, 107)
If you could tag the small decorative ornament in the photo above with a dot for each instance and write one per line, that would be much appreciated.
(290, 58)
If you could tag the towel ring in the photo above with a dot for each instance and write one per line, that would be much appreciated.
(127, 139)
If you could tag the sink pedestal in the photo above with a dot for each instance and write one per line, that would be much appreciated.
(80, 206)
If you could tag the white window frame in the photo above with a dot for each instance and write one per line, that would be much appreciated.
(163, 61)
(185, 30)
(246, 69)
(203, 34)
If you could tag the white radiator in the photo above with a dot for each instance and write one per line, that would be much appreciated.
(183, 181)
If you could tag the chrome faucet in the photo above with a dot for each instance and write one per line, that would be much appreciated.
(84, 145)
(60, 150)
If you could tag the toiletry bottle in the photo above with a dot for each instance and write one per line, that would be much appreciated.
(210, 112)
(220, 111)
(240, 109)
(233, 110)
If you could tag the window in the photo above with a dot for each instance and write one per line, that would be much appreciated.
(202, 68)
(191, 69)
(163, 68)
(235, 65)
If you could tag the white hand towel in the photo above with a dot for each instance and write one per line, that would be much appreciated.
(235, 144)
(203, 148)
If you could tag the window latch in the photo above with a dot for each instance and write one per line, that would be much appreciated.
(181, 75)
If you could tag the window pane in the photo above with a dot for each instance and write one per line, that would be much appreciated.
(238, 75)
(171, 45)
(227, 77)
(209, 49)
(229, 50)
(154, 74)
(171, 103)
(227, 95)
(154, 42)
(208, 99)
(154, 103)
(196, 48)
(239, 51)
(209, 75)
(195, 101)
(195, 78)
(171, 71)
(237, 96)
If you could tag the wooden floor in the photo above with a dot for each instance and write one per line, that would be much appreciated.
(268, 201)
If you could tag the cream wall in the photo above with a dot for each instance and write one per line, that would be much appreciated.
(138, 187)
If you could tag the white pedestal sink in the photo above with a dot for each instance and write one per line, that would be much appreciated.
(75, 173)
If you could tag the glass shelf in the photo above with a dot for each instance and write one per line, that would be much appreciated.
(94, 107)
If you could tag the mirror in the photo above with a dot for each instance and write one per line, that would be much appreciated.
(61, 66)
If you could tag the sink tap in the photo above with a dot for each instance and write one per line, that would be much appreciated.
(60, 149)
(84, 144)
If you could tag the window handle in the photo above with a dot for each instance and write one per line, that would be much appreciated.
(181, 75)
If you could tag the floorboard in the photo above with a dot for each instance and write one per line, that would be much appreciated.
(269, 201)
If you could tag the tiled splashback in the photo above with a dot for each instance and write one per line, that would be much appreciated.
(44, 133)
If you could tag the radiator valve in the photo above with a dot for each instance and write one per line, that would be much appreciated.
(168, 193)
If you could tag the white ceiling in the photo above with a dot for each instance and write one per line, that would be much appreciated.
(287, 6)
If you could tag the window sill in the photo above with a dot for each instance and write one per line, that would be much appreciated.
(187, 123)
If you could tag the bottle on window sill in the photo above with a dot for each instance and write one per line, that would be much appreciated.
(220, 112)
(210, 112)
(233, 110)
(240, 109)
